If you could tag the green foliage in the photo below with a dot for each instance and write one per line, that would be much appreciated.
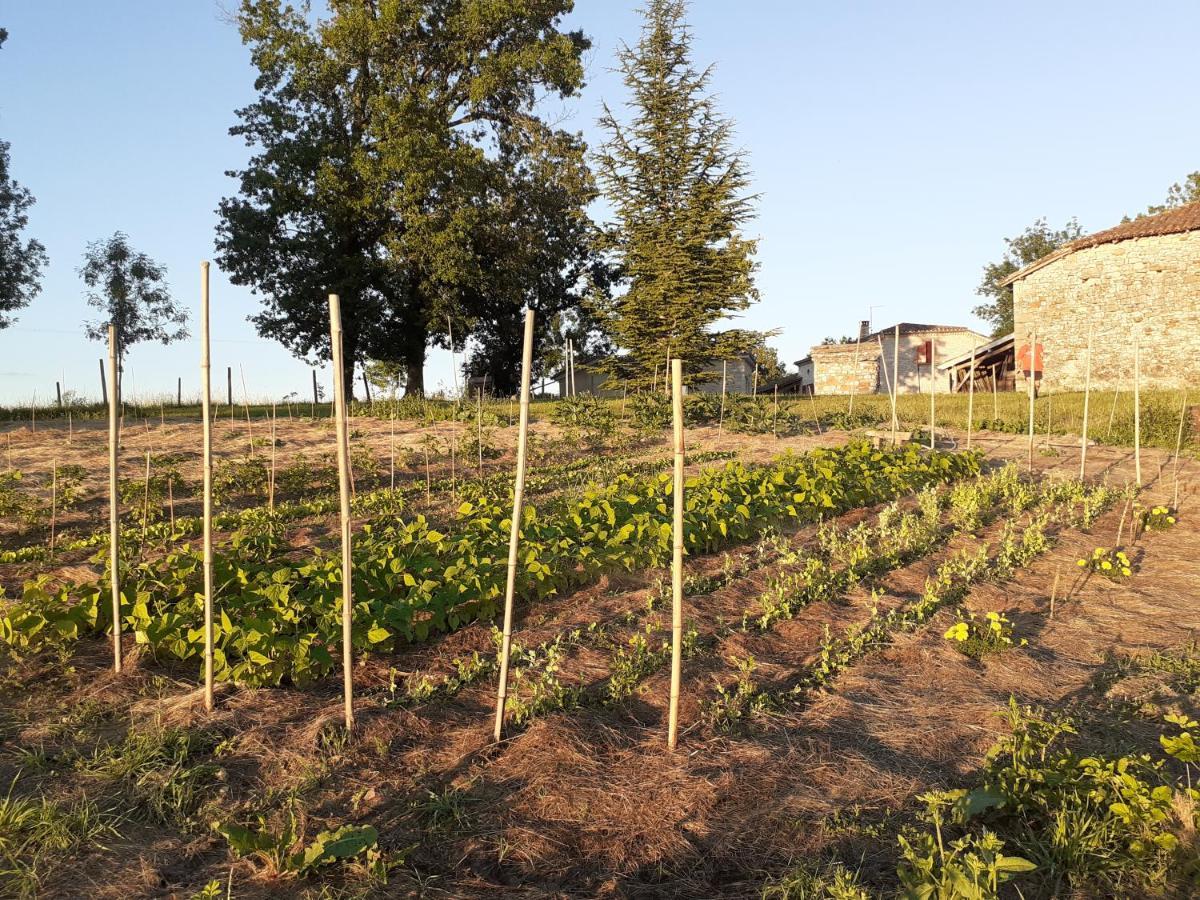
(831, 881)
(283, 850)
(1158, 518)
(399, 160)
(1110, 562)
(130, 289)
(979, 638)
(21, 259)
(1038, 240)
(279, 619)
(679, 192)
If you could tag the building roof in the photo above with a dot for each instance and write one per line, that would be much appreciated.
(1174, 221)
(914, 328)
(1000, 344)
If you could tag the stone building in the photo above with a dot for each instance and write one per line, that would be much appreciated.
(866, 366)
(1139, 281)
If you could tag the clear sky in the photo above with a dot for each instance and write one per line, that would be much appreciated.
(894, 146)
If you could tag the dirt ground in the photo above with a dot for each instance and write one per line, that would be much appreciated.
(588, 802)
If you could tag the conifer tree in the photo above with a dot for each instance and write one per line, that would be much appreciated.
(679, 191)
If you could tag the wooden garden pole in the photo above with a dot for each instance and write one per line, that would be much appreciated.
(812, 399)
(479, 430)
(676, 555)
(179, 391)
(103, 385)
(207, 466)
(315, 398)
(1087, 396)
(754, 391)
(721, 418)
(229, 389)
(246, 403)
(995, 392)
(932, 394)
(114, 520)
(971, 395)
(271, 485)
(58, 392)
(53, 500)
(1112, 414)
(895, 384)
(1137, 414)
(1178, 445)
(343, 453)
(853, 381)
(1032, 379)
(774, 410)
(145, 507)
(514, 532)
(392, 445)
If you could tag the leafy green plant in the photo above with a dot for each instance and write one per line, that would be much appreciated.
(283, 850)
(1112, 563)
(973, 867)
(977, 638)
(1158, 518)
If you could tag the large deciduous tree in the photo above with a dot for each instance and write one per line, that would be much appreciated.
(131, 289)
(21, 259)
(384, 138)
(1038, 240)
(679, 193)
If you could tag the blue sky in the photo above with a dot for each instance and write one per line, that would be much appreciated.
(894, 146)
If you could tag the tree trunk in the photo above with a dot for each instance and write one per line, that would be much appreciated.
(414, 360)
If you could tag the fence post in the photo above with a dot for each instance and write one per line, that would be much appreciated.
(206, 415)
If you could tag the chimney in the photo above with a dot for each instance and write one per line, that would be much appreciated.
(864, 329)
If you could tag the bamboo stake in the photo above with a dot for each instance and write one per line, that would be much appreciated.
(1032, 379)
(145, 507)
(53, 501)
(1178, 444)
(453, 363)
(514, 533)
(1087, 396)
(995, 392)
(1137, 414)
(207, 417)
(1121, 524)
(1054, 590)
(246, 403)
(774, 413)
(171, 502)
(754, 392)
(271, 482)
(392, 447)
(343, 453)
(812, 399)
(114, 521)
(479, 430)
(676, 555)
(971, 395)
(853, 381)
(428, 481)
(1112, 414)
(932, 394)
(721, 419)
(229, 389)
(70, 428)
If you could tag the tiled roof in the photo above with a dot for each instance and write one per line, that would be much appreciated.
(1174, 221)
(914, 328)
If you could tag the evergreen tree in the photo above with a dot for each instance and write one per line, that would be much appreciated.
(21, 260)
(679, 193)
(1038, 240)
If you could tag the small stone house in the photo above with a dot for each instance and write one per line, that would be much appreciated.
(1139, 281)
(866, 366)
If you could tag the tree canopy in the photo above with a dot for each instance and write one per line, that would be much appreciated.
(391, 141)
(1038, 240)
(21, 259)
(679, 193)
(131, 289)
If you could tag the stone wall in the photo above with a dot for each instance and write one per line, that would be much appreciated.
(915, 378)
(1144, 288)
(845, 368)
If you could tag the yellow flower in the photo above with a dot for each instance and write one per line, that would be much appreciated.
(1083, 562)
(1171, 519)
(1106, 565)
(1126, 571)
